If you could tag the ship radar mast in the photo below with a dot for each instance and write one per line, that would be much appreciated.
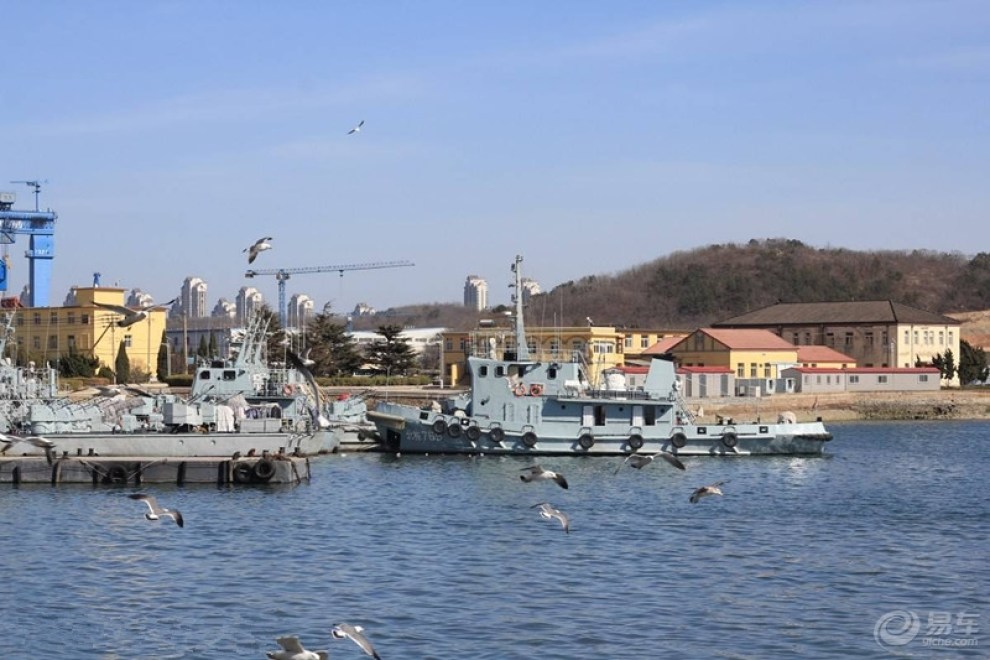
(522, 348)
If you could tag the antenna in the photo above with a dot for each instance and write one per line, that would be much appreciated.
(37, 189)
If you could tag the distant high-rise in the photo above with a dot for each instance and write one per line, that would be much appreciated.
(224, 309)
(530, 287)
(192, 299)
(139, 298)
(300, 310)
(249, 301)
(363, 309)
(476, 293)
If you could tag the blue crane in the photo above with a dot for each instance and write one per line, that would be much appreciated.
(40, 227)
(283, 274)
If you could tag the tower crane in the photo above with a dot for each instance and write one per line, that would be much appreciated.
(283, 274)
(39, 226)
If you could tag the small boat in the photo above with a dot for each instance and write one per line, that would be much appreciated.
(520, 405)
(237, 405)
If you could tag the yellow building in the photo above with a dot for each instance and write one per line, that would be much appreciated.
(46, 333)
(600, 347)
(750, 354)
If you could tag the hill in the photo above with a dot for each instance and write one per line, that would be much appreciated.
(695, 288)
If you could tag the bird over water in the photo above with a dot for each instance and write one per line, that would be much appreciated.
(537, 473)
(355, 634)
(157, 512)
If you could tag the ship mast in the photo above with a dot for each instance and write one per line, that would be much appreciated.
(522, 348)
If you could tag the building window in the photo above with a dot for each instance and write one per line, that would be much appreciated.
(554, 346)
(883, 337)
(740, 370)
(818, 379)
(70, 341)
(628, 341)
(807, 338)
(449, 345)
(868, 339)
(907, 336)
(941, 338)
(20, 319)
(37, 318)
(849, 339)
(916, 341)
(71, 318)
(922, 378)
(950, 337)
(644, 341)
(881, 379)
(127, 341)
(576, 345)
(53, 342)
(766, 371)
(698, 342)
(853, 379)
(84, 319)
(53, 318)
(796, 338)
(752, 370)
(830, 339)
(36, 342)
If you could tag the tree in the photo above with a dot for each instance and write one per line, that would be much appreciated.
(948, 365)
(204, 350)
(333, 352)
(122, 365)
(75, 364)
(972, 363)
(392, 354)
(214, 353)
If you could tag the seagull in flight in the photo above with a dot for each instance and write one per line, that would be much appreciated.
(356, 129)
(259, 246)
(642, 460)
(157, 512)
(132, 316)
(537, 473)
(549, 512)
(293, 650)
(9, 441)
(356, 634)
(705, 491)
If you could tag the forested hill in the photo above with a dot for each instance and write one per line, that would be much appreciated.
(698, 287)
(705, 285)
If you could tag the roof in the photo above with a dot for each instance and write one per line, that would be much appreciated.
(835, 313)
(821, 354)
(704, 370)
(748, 339)
(663, 346)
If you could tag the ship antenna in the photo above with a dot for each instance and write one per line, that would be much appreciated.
(522, 348)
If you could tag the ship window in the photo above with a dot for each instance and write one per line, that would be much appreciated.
(551, 373)
(499, 371)
(483, 371)
(204, 375)
(229, 374)
(599, 415)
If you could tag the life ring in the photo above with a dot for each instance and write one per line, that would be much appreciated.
(536, 389)
(243, 473)
(496, 434)
(678, 440)
(473, 433)
(636, 441)
(454, 430)
(439, 426)
(730, 440)
(519, 390)
(287, 389)
(587, 441)
(264, 470)
(529, 439)
(465, 422)
(116, 474)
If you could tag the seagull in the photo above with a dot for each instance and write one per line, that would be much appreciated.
(132, 316)
(157, 512)
(356, 129)
(34, 440)
(356, 633)
(306, 360)
(259, 246)
(536, 473)
(293, 650)
(549, 512)
(704, 491)
(590, 322)
(642, 460)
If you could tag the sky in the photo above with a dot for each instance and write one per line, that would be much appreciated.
(589, 137)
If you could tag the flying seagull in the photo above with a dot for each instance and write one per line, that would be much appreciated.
(157, 512)
(293, 650)
(259, 246)
(549, 512)
(356, 633)
(536, 473)
(356, 129)
(642, 460)
(132, 316)
(705, 491)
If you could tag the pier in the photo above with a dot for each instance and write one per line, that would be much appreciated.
(137, 470)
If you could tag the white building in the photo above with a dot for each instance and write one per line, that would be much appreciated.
(300, 310)
(530, 287)
(192, 299)
(139, 298)
(363, 309)
(417, 338)
(249, 301)
(224, 309)
(476, 293)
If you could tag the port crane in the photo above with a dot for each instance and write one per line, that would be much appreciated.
(282, 275)
(39, 226)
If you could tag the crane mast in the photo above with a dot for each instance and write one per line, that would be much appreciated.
(282, 275)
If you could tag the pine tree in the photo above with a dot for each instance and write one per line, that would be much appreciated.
(972, 363)
(122, 364)
(393, 354)
(204, 350)
(213, 346)
(948, 365)
(331, 349)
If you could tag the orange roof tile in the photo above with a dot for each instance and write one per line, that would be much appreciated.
(748, 339)
(821, 354)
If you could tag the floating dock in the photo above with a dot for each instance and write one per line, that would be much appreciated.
(137, 470)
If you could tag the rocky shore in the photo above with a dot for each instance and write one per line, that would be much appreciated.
(865, 406)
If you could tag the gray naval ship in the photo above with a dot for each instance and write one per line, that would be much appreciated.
(238, 405)
(518, 405)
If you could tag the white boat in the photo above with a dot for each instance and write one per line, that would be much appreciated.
(520, 405)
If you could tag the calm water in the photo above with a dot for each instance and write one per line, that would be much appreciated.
(443, 558)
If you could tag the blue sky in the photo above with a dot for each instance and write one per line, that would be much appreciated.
(587, 136)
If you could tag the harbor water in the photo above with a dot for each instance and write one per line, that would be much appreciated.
(865, 552)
